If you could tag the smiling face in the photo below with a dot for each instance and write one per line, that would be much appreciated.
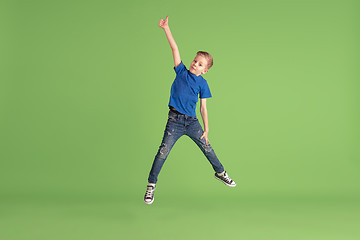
(199, 65)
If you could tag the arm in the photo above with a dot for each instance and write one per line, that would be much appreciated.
(204, 116)
(164, 25)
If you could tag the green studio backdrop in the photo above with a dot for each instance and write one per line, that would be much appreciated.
(84, 90)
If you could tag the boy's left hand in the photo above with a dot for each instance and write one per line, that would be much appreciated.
(206, 138)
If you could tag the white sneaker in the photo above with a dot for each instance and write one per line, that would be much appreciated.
(225, 179)
(149, 195)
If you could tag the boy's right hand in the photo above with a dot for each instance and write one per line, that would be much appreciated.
(164, 23)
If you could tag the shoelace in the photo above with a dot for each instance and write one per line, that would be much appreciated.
(149, 192)
(227, 178)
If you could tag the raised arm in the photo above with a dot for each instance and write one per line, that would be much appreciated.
(164, 25)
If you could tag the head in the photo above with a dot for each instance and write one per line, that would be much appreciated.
(201, 63)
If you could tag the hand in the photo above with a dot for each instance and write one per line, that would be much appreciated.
(164, 23)
(206, 138)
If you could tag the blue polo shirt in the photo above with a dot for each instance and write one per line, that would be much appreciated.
(186, 89)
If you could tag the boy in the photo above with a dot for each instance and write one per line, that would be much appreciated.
(182, 117)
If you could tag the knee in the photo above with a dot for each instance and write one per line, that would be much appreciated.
(163, 151)
(207, 148)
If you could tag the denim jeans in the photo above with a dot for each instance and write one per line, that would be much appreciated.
(177, 126)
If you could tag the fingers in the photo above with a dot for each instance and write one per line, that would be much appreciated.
(206, 139)
(162, 21)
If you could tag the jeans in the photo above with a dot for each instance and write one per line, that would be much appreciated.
(177, 126)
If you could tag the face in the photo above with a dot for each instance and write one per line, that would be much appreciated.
(198, 65)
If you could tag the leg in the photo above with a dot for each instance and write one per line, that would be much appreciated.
(171, 134)
(195, 131)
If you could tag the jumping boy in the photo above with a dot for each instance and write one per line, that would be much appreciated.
(182, 120)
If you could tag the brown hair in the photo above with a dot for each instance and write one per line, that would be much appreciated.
(208, 57)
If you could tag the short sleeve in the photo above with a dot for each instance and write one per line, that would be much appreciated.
(205, 91)
(180, 68)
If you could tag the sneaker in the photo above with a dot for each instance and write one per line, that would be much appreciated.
(149, 195)
(225, 179)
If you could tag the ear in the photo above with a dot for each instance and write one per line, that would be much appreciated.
(205, 71)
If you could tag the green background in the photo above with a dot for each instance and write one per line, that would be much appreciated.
(83, 105)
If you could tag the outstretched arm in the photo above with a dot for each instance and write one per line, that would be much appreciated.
(164, 25)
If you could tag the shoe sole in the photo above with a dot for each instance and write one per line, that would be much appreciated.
(148, 203)
(224, 182)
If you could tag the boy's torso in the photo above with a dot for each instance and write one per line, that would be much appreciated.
(185, 91)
